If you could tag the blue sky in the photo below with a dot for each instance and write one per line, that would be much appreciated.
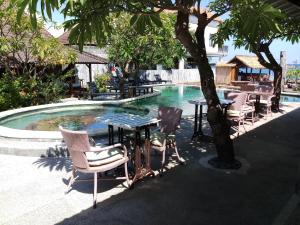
(293, 51)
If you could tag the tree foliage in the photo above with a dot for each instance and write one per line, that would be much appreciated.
(30, 61)
(25, 49)
(155, 45)
(254, 25)
(89, 20)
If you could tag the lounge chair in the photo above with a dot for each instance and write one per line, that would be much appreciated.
(93, 92)
(159, 80)
(142, 80)
(165, 138)
(89, 159)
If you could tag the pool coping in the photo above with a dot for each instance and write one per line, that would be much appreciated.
(49, 143)
(13, 134)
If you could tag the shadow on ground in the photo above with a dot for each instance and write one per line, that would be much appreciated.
(192, 194)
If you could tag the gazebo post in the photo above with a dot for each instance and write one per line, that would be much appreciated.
(89, 65)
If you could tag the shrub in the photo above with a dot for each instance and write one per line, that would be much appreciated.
(10, 96)
(102, 81)
(27, 91)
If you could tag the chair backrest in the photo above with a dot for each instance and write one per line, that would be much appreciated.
(239, 100)
(77, 143)
(92, 87)
(170, 119)
(266, 89)
(157, 77)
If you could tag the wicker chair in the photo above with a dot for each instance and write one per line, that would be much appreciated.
(266, 100)
(165, 138)
(89, 159)
(236, 111)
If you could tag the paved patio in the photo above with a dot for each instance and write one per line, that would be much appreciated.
(32, 189)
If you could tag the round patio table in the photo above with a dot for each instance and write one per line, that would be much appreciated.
(198, 133)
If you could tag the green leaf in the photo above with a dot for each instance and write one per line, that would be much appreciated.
(21, 9)
(156, 20)
(48, 9)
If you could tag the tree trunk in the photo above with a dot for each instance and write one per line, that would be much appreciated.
(277, 88)
(218, 122)
(277, 70)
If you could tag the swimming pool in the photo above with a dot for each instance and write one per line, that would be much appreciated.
(83, 116)
(178, 96)
(74, 117)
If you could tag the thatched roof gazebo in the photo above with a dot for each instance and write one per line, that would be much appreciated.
(239, 68)
(247, 65)
(88, 59)
(246, 61)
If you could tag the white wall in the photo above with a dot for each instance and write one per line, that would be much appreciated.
(208, 31)
(83, 70)
(177, 76)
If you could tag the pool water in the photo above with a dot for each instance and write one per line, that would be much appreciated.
(83, 117)
(175, 96)
(75, 118)
(178, 96)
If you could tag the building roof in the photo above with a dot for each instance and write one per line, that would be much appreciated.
(87, 58)
(8, 33)
(22, 56)
(224, 64)
(290, 7)
(247, 61)
(64, 38)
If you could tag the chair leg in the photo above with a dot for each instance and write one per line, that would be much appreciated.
(252, 114)
(238, 131)
(163, 161)
(243, 123)
(126, 174)
(95, 191)
(181, 160)
(267, 113)
(71, 180)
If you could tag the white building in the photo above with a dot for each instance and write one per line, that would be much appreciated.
(214, 52)
(83, 72)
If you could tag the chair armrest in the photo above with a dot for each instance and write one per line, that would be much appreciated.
(92, 141)
(100, 149)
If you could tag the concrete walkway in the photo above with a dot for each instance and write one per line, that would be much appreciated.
(32, 189)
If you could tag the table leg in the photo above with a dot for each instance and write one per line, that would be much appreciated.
(257, 101)
(120, 135)
(141, 171)
(148, 149)
(225, 111)
(200, 121)
(195, 122)
(110, 135)
(137, 158)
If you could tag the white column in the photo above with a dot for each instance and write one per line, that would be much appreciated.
(181, 64)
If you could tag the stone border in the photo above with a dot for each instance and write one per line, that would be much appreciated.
(15, 134)
(241, 171)
(47, 143)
